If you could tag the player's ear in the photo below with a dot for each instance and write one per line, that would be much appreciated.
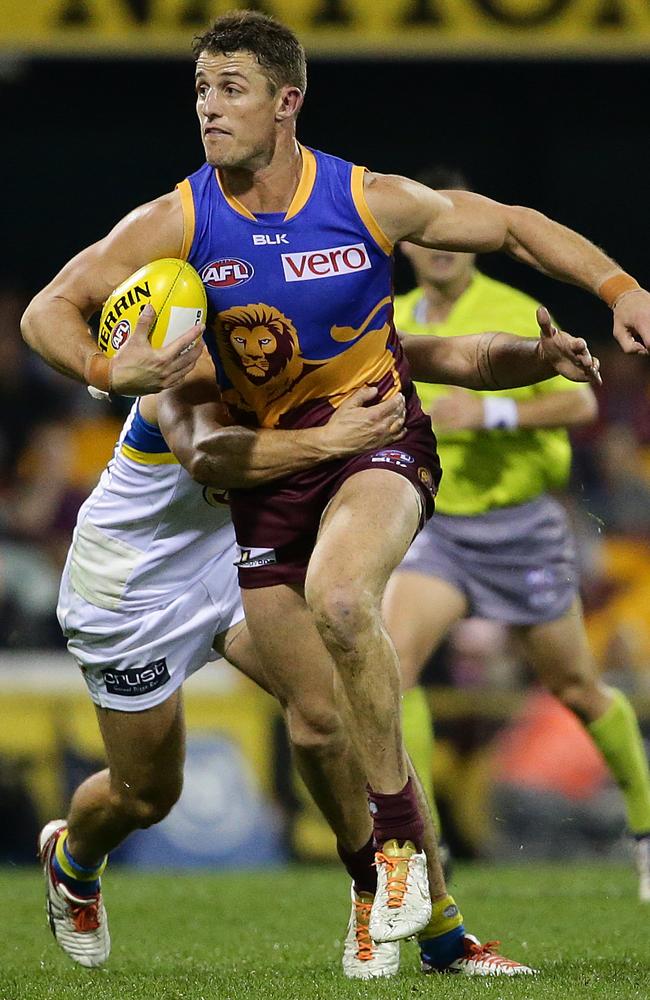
(289, 103)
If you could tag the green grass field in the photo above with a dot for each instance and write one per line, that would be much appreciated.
(252, 936)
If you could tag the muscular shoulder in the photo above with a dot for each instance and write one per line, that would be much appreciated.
(401, 205)
(157, 224)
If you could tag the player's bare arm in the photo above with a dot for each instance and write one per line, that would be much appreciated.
(501, 360)
(216, 452)
(55, 323)
(462, 220)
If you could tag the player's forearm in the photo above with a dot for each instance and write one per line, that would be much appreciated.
(556, 250)
(477, 361)
(241, 457)
(56, 330)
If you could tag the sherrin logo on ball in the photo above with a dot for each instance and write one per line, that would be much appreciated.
(171, 286)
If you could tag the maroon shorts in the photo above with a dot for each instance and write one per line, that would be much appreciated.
(277, 525)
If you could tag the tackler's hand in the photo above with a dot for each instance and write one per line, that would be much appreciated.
(359, 424)
(569, 356)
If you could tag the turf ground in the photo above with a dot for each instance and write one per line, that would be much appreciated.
(253, 936)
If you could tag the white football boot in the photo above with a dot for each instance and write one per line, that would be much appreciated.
(642, 859)
(78, 923)
(481, 960)
(402, 905)
(362, 957)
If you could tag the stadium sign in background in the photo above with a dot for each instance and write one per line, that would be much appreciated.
(336, 27)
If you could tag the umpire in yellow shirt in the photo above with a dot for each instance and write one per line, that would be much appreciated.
(499, 545)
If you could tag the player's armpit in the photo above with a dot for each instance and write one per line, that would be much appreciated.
(148, 233)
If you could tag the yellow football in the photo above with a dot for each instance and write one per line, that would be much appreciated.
(171, 286)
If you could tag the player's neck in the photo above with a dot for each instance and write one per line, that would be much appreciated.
(271, 186)
(440, 298)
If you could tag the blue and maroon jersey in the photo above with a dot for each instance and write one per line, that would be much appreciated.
(300, 310)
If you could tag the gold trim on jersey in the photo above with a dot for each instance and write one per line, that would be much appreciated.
(234, 203)
(300, 198)
(184, 189)
(149, 457)
(306, 185)
(368, 219)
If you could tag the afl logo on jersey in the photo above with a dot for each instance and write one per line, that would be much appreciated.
(227, 272)
(120, 334)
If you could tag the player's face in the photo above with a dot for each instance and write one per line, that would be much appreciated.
(236, 109)
(438, 267)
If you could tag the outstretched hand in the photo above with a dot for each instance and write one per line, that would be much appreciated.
(632, 321)
(139, 369)
(569, 356)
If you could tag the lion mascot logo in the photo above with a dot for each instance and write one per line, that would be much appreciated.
(259, 349)
(261, 356)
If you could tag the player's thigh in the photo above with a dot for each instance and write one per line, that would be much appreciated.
(418, 612)
(365, 532)
(559, 651)
(145, 750)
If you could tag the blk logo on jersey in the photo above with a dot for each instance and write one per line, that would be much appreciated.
(328, 263)
(120, 334)
(227, 272)
(137, 680)
(269, 239)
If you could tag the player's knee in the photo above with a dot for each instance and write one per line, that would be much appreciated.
(343, 614)
(316, 731)
(146, 807)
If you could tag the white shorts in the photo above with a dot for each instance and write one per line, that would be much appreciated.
(135, 660)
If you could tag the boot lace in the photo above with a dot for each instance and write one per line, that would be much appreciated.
(362, 932)
(396, 876)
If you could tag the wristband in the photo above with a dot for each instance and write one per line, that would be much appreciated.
(500, 413)
(611, 290)
(97, 371)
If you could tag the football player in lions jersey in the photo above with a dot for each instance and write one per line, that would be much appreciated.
(295, 248)
(137, 629)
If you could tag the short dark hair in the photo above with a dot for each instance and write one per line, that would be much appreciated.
(443, 178)
(275, 46)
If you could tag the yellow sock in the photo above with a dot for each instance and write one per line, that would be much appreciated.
(616, 734)
(71, 868)
(417, 726)
(445, 917)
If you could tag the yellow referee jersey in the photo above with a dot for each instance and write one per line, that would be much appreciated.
(483, 470)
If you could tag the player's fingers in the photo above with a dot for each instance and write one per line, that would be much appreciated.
(544, 320)
(627, 341)
(359, 398)
(182, 343)
(146, 320)
(396, 404)
(187, 359)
